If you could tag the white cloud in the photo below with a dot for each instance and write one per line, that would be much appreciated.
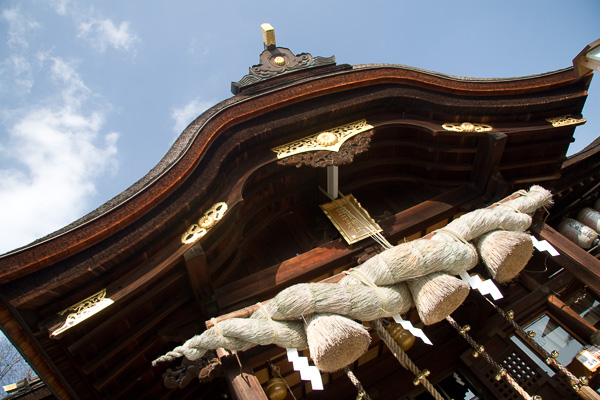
(103, 33)
(183, 116)
(57, 150)
(18, 75)
(198, 48)
(60, 6)
(18, 27)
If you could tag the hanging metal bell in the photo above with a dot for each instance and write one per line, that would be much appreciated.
(404, 338)
(276, 389)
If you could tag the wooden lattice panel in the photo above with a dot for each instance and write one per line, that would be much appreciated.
(520, 367)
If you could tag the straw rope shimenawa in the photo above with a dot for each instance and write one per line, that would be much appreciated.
(335, 340)
(504, 253)
(380, 286)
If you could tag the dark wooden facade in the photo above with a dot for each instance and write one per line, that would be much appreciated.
(414, 176)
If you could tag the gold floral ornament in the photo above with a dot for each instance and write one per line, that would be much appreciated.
(565, 120)
(466, 127)
(83, 310)
(205, 223)
(330, 140)
(279, 61)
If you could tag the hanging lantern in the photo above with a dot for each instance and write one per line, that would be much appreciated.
(404, 338)
(276, 389)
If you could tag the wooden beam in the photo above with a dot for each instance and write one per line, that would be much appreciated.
(118, 369)
(487, 159)
(583, 266)
(32, 352)
(573, 320)
(139, 330)
(240, 377)
(199, 279)
(128, 286)
(132, 307)
(320, 260)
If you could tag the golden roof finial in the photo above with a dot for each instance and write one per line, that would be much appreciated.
(268, 34)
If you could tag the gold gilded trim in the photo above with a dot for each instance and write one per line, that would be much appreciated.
(565, 120)
(83, 310)
(330, 140)
(466, 127)
(205, 223)
(348, 221)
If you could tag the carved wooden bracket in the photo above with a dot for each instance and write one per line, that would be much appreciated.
(278, 61)
(322, 158)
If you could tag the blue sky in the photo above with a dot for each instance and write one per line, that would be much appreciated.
(93, 93)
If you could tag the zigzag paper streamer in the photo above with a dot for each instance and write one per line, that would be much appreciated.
(307, 372)
(485, 287)
(409, 327)
(543, 245)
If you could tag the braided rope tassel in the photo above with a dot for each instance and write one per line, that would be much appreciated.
(362, 393)
(405, 361)
(550, 359)
(500, 371)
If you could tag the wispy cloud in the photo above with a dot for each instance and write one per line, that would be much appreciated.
(103, 33)
(19, 27)
(60, 6)
(18, 75)
(199, 48)
(56, 150)
(184, 115)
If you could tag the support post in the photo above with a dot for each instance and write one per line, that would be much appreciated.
(242, 382)
(332, 181)
(487, 161)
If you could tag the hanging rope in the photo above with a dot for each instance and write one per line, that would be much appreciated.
(405, 361)
(500, 371)
(574, 382)
(362, 394)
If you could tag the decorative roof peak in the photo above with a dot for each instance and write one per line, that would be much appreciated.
(275, 61)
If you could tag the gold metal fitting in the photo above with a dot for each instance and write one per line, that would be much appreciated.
(424, 374)
(279, 61)
(531, 334)
(206, 222)
(478, 350)
(537, 397)
(464, 329)
(554, 354)
(583, 380)
(501, 372)
(510, 314)
(576, 387)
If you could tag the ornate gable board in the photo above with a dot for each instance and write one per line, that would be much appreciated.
(279, 61)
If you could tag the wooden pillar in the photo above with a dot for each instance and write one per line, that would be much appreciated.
(199, 276)
(242, 382)
(485, 174)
